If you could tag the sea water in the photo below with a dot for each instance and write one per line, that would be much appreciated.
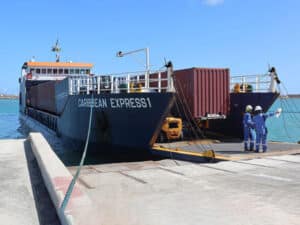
(286, 128)
(10, 126)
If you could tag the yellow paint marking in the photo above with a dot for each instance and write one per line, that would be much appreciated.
(207, 154)
(212, 154)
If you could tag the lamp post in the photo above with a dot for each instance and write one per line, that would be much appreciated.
(121, 54)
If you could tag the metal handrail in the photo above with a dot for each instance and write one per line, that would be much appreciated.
(53, 76)
(251, 83)
(120, 83)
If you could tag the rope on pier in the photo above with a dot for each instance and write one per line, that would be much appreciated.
(72, 183)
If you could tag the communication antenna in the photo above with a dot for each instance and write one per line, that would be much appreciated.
(56, 48)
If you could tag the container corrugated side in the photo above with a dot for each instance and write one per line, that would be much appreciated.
(205, 90)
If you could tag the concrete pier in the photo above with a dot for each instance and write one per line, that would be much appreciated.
(24, 197)
(264, 190)
(256, 192)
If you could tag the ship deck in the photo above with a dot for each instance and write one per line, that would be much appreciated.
(231, 150)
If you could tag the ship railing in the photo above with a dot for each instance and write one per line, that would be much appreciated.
(251, 83)
(134, 82)
(53, 76)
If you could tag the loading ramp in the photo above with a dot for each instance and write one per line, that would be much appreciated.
(220, 151)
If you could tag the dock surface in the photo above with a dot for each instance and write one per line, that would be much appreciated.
(258, 191)
(231, 150)
(158, 191)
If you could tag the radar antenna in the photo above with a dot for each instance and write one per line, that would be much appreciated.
(56, 48)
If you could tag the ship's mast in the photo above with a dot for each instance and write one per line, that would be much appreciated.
(56, 48)
(121, 54)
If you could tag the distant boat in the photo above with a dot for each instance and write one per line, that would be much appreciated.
(284, 96)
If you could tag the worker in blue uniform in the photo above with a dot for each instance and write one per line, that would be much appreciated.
(249, 134)
(261, 130)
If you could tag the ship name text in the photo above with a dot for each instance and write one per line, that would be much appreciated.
(115, 103)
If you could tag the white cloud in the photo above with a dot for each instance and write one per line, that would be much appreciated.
(212, 2)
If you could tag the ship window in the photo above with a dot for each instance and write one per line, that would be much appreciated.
(38, 71)
(43, 71)
(88, 71)
(82, 71)
(49, 71)
(55, 71)
(32, 70)
(60, 71)
(66, 71)
(77, 71)
(71, 71)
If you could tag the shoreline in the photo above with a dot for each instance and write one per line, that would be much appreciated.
(290, 96)
(294, 96)
(8, 97)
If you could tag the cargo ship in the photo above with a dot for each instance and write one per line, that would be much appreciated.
(127, 111)
(246, 90)
(214, 101)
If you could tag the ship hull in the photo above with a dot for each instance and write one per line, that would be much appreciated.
(119, 121)
(232, 126)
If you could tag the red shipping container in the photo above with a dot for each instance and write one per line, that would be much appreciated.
(205, 90)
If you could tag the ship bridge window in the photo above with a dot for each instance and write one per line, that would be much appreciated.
(38, 71)
(60, 71)
(32, 70)
(82, 71)
(77, 71)
(49, 71)
(71, 71)
(44, 71)
(88, 71)
(66, 71)
(55, 71)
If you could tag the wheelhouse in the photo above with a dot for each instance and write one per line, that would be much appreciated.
(54, 70)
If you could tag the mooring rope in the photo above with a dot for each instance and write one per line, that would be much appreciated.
(72, 184)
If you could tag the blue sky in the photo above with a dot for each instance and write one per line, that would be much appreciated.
(243, 35)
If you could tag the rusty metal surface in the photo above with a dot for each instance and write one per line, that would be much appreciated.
(42, 96)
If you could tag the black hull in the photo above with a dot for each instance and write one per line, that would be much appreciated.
(119, 121)
(232, 126)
